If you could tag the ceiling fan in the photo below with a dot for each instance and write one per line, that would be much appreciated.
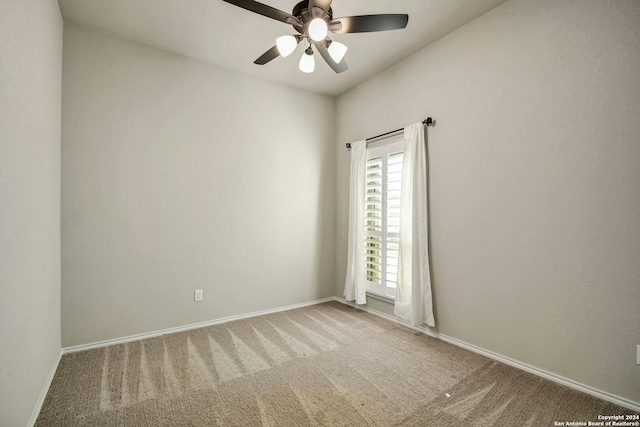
(313, 19)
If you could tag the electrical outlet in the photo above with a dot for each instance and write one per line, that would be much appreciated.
(197, 295)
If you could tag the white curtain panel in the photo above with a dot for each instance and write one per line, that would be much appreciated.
(413, 294)
(355, 286)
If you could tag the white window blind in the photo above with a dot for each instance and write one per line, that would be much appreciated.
(382, 217)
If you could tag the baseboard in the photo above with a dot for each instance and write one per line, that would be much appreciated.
(43, 393)
(634, 406)
(145, 335)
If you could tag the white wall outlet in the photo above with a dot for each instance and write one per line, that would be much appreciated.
(638, 354)
(197, 295)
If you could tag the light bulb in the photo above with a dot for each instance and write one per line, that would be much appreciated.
(318, 29)
(286, 45)
(337, 51)
(307, 62)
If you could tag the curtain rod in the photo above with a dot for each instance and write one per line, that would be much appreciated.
(428, 121)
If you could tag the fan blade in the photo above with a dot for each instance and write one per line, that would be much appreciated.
(264, 10)
(369, 23)
(269, 55)
(338, 67)
(322, 4)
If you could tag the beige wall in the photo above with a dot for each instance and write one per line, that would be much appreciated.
(30, 76)
(534, 182)
(179, 175)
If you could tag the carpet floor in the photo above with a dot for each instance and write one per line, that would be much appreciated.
(323, 365)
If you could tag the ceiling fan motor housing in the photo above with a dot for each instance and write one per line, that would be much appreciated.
(305, 16)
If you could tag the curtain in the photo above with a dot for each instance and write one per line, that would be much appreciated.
(355, 286)
(413, 293)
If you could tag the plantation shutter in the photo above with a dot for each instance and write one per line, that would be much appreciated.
(382, 218)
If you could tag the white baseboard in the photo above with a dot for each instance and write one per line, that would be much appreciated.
(43, 393)
(145, 335)
(635, 406)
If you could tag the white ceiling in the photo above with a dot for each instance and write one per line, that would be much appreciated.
(223, 34)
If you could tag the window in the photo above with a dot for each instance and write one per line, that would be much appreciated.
(382, 217)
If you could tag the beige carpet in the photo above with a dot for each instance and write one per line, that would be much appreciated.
(327, 364)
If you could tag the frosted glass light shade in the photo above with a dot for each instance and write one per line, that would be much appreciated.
(318, 29)
(286, 45)
(307, 62)
(337, 51)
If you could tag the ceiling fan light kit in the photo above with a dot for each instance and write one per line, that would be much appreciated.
(307, 62)
(313, 20)
(318, 29)
(286, 45)
(336, 49)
